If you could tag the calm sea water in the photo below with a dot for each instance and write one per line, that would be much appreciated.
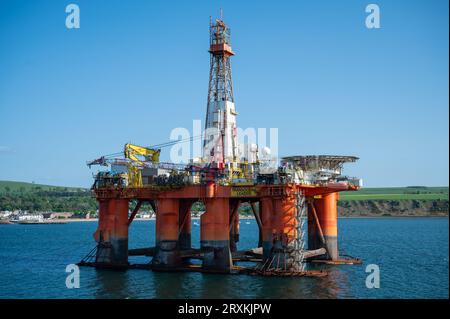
(412, 254)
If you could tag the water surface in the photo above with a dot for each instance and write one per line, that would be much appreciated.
(412, 254)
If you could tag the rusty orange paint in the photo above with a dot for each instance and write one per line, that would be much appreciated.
(284, 217)
(200, 191)
(234, 216)
(221, 48)
(185, 216)
(326, 208)
(113, 220)
(215, 221)
(236, 223)
(277, 212)
(167, 216)
(119, 213)
(210, 190)
(266, 205)
(101, 232)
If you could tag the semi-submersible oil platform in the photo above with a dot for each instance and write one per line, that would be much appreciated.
(293, 204)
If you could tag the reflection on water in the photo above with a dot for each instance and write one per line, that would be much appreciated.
(333, 285)
(166, 284)
(125, 284)
(112, 284)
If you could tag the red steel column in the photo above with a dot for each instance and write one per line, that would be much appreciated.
(112, 233)
(215, 235)
(167, 224)
(235, 232)
(326, 208)
(234, 225)
(285, 223)
(314, 241)
(184, 239)
(266, 209)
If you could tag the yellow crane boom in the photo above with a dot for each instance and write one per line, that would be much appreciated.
(133, 153)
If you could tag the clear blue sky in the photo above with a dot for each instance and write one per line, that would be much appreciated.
(137, 69)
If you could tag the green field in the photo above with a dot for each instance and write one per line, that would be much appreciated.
(398, 193)
(27, 187)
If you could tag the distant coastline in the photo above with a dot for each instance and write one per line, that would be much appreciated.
(411, 201)
(393, 208)
(74, 220)
(246, 217)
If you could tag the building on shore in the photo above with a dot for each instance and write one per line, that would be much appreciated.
(54, 215)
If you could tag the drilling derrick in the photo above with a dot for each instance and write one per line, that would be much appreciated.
(220, 142)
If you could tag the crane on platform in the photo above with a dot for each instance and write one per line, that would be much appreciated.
(135, 159)
(133, 153)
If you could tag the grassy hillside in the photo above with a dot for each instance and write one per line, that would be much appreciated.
(25, 187)
(36, 197)
(398, 193)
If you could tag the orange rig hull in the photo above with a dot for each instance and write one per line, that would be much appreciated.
(274, 207)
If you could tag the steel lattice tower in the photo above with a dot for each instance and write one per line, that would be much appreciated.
(220, 142)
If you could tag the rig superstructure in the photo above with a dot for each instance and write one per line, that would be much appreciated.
(293, 204)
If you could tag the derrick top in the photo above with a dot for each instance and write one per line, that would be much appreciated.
(219, 39)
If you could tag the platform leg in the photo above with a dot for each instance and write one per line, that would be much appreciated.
(279, 231)
(185, 225)
(112, 234)
(266, 208)
(327, 214)
(234, 225)
(167, 254)
(215, 231)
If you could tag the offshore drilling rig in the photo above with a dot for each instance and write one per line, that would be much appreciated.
(293, 204)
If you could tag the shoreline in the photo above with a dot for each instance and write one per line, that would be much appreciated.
(71, 220)
(75, 220)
